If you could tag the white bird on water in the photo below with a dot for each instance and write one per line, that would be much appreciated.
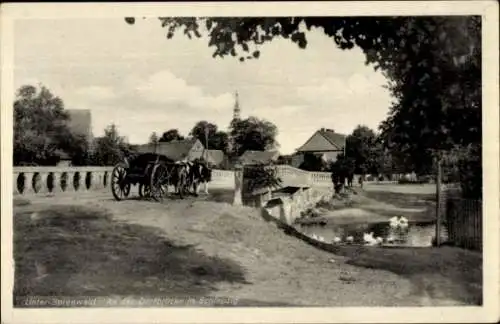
(398, 222)
(369, 239)
(403, 222)
(394, 222)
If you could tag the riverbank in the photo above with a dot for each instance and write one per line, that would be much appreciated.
(372, 206)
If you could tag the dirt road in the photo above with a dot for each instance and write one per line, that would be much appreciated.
(274, 269)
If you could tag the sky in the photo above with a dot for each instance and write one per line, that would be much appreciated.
(134, 77)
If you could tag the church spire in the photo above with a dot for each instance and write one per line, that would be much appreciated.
(236, 110)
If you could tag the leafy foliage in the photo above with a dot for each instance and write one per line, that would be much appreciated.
(153, 139)
(80, 149)
(41, 129)
(253, 134)
(362, 146)
(463, 164)
(261, 176)
(343, 168)
(217, 140)
(313, 162)
(111, 148)
(171, 135)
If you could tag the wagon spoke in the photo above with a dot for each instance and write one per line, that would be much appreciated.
(119, 186)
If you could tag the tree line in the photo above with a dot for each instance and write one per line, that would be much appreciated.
(42, 134)
(243, 134)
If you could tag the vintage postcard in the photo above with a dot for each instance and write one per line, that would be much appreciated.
(217, 162)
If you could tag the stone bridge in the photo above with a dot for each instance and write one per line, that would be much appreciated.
(299, 189)
(44, 180)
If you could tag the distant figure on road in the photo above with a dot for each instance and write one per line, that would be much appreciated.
(350, 178)
(360, 180)
(337, 182)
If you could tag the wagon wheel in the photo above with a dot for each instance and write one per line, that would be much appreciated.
(120, 187)
(158, 182)
(144, 191)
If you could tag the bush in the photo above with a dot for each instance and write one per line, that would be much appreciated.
(471, 173)
(261, 176)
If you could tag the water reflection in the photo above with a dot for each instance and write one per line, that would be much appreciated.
(417, 234)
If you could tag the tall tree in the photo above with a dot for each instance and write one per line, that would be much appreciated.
(41, 127)
(153, 138)
(80, 149)
(253, 134)
(362, 147)
(171, 135)
(343, 168)
(313, 162)
(217, 140)
(433, 64)
(111, 148)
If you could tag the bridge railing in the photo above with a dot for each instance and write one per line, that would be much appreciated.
(290, 174)
(34, 180)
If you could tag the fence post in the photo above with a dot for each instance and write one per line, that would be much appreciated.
(238, 185)
(438, 203)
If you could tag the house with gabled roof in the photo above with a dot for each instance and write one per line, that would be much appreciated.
(325, 143)
(186, 150)
(177, 150)
(216, 158)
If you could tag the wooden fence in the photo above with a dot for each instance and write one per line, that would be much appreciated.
(464, 222)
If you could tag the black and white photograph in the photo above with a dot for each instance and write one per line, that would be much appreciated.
(228, 156)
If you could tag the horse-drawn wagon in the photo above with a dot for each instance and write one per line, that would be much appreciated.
(154, 173)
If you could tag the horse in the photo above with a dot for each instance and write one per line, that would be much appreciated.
(180, 178)
(199, 173)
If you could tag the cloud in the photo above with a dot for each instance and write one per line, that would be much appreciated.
(165, 87)
(146, 84)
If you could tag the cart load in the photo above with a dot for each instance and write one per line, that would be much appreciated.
(154, 173)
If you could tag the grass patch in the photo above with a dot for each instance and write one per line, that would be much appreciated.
(403, 200)
(221, 195)
(461, 267)
(77, 251)
(19, 202)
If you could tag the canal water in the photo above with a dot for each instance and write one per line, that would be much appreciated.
(418, 234)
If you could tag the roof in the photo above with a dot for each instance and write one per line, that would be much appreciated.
(254, 157)
(336, 140)
(215, 156)
(175, 150)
